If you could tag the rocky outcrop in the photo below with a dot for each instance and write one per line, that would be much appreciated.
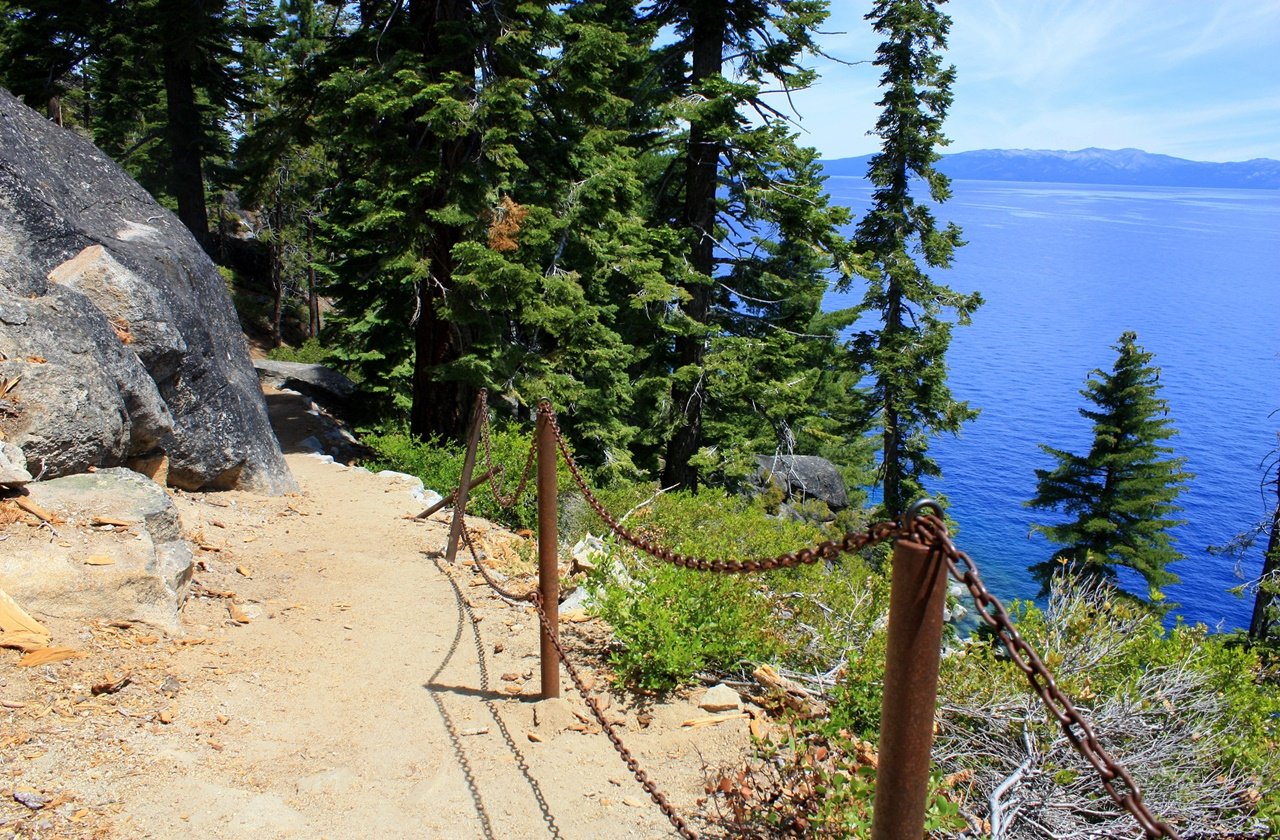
(119, 552)
(117, 324)
(804, 477)
(323, 384)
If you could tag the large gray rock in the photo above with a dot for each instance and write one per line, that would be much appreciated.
(323, 384)
(141, 571)
(83, 398)
(803, 477)
(92, 266)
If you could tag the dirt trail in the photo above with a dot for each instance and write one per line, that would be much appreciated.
(343, 692)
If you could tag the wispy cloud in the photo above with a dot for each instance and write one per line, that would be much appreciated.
(1186, 77)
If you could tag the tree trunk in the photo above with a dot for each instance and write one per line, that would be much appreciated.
(1259, 623)
(707, 35)
(440, 407)
(184, 136)
(891, 460)
(313, 298)
(277, 289)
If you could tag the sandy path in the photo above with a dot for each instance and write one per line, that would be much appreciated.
(358, 701)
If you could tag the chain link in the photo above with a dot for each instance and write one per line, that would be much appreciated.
(829, 550)
(930, 530)
(610, 731)
(927, 530)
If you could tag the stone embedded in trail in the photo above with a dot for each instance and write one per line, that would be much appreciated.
(720, 698)
(13, 466)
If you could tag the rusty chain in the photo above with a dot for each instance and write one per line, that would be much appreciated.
(514, 597)
(930, 531)
(504, 501)
(610, 731)
(535, 599)
(828, 550)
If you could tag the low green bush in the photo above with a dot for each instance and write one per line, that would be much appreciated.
(671, 623)
(310, 352)
(438, 463)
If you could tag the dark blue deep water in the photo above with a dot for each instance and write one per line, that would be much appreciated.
(1065, 269)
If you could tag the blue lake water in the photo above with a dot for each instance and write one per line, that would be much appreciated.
(1065, 269)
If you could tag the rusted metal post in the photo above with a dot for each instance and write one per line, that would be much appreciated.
(464, 483)
(916, 599)
(452, 497)
(548, 560)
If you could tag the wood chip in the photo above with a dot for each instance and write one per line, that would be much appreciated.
(167, 716)
(245, 571)
(714, 719)
(33, 509)
(111, 686)
(99, 560)
(535, 737)
(49, 655)
(111, 520)
(14, 618)
(236, 614)
(24, 640)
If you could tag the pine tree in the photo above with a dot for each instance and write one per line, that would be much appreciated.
(421, 113)
(1264, 622)
(759, 232)
(1121, 494)
(906, 356)
(44, 47)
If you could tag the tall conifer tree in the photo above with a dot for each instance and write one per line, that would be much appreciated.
(906, 355)
(1121, 494)
(759, 231)
(422, 114)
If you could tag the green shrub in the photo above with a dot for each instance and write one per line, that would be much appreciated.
(438, 463)
(310, 352)
(671, 622)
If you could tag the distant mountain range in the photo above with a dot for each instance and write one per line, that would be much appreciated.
(1090, 166)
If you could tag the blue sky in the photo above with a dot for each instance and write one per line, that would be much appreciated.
(1197, 79)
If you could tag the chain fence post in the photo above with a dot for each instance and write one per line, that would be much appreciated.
(464, 483)
(917, 596)
(548, 553)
